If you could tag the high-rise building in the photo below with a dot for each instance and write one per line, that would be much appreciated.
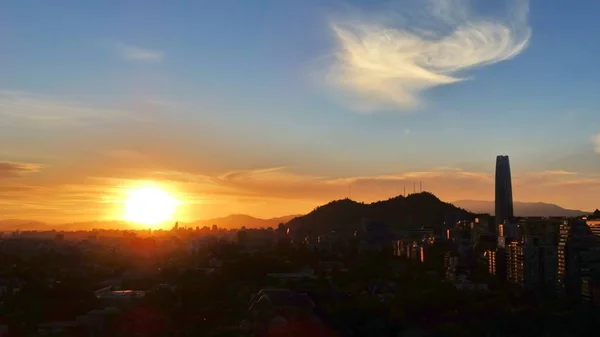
(504, 201)
(531, 257)
(523, 263)
(578, 258)
(491, 259)
(594, 225)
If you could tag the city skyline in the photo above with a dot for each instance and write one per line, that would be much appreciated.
(234, 108)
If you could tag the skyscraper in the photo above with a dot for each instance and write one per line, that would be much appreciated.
(504, 200)
(578, 258)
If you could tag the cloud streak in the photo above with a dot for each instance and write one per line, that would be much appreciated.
(17, 108)
(20, 108)
(389, 65)
(13, 169)
(135, 53)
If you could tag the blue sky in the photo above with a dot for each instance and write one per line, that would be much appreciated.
(316, 90)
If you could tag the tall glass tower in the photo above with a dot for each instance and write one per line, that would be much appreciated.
(504, 199)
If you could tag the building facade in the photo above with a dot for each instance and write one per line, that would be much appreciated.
(504, 201)
(578, 259)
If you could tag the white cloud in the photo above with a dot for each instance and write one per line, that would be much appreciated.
(389, 65)
(130, 52)
(596, 141)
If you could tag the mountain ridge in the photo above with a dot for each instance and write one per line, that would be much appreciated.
(239, 220)
(413, 211)
(521, 208)
(229, 222)
(418, 209)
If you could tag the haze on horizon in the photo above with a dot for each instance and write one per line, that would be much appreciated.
(272, 108)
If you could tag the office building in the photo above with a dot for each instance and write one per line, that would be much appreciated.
(497, 262)
(532, 254)
(491, 261)
(545, 229)
(540, 236)
(578, 258)
(594, 224)
(504, 201)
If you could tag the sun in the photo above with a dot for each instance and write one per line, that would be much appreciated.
(150, 206)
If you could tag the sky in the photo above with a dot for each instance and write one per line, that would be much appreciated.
(274, 107)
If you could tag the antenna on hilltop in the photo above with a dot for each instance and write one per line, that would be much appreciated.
(420, 186)
(404, 193)
(414, 187)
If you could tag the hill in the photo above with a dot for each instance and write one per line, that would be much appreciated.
(239, 220)
(415, 210)
(521, 208)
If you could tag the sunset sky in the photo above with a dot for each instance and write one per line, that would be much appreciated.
(273, 107)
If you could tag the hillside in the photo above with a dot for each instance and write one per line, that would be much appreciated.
(239, 220)
(415, 210)
(521, 208)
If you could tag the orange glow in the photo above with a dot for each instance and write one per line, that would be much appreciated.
(150, 205)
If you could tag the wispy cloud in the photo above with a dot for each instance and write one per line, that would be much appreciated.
(13, 169)
(251, 175)
(596, 142)
(558, 173)
(390, 64)
(18, 108)
(135, 53)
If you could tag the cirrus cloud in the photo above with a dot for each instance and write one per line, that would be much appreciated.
(390, 64)
(135, 53)
(18, 108)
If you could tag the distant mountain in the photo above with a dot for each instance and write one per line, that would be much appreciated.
(89, 225)
(28, 225)
(231, 221)
(18, 224)
(521, 208)
(239, 220)
(415, 210)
